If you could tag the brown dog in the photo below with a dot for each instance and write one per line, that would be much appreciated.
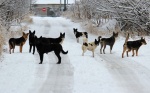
(17, 42)
(132, 45)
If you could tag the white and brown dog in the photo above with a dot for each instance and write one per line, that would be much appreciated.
(80, 34)
(90, 46)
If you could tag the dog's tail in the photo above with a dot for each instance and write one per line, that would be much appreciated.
(126, 38)
(86, 34)
(64, 52)
(99, 39)
(11, 45)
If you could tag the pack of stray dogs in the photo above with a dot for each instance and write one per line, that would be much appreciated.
(45, 45)
(42, 44)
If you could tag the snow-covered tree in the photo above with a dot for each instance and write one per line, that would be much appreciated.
(133, 15)
(13, 10)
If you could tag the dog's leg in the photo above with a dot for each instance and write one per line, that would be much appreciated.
(84, 50)
(78, 40)
(132, 52)
(10, 51)
(30, 48)
(104, 49)
(93, 52)
(21, 48)
(13, 48)
(58, 56)
(111, 46)
(101, 48)
(124, 49)
(33, 49)
(41, 57)
(127, 53)
(137, 52)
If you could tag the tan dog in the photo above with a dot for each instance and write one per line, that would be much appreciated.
(132, 45)
(17, 42)
(89, 46)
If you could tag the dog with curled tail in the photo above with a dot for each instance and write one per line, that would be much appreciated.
(132, 45)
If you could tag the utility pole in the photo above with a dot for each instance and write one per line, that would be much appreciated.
(60, 5)
(65, 5)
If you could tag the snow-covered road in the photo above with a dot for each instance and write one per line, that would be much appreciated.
(57, 78)
(129, 75)
(105, 73)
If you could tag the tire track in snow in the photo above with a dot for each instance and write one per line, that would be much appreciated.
(59, 77)
(126, 72)
(52, 77)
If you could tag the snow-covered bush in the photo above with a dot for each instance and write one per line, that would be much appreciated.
(12, 13)
(2, 37)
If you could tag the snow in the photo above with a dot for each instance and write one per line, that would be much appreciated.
(109, 25)
(105, 73)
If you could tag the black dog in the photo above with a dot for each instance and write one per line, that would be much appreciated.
(107, 41)
(80, 34)
(46, 47)
(58, 40)
(32, 40)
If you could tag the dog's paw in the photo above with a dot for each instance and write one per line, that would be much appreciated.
(40, 63)
(58, 63)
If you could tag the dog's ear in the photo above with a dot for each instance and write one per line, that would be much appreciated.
(99, 37)
(30, 31)
(95, 40)
(34, 32)
(23, 33)
(35, 37)
(75, 29)
(40, 36)
(141, 37)
(60, 34)
(117, 33)
(64, 34)
(113, 32)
